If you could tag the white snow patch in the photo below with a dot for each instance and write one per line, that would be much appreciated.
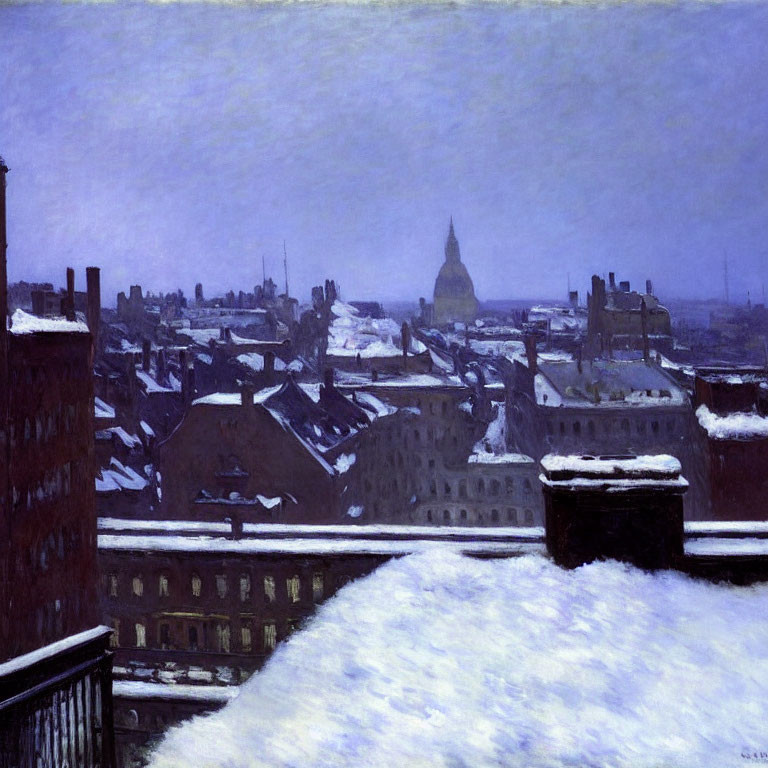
(344, 462)
(500, 458)
(269, 501)
(439, 660)
(734, 426)
(102, 410)
(355, 511)
(22, 323)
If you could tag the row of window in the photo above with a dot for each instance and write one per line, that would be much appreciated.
(642, 427)
(46, 425)
(510, 517)
(221, 586)
(55, 483)
(493, 488)
(198, 638)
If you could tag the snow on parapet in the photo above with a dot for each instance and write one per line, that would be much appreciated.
(599, 645)
(24, 323)
(734, 426)
(344, 462)
(608, 465)
(500, 458)
(102, 410)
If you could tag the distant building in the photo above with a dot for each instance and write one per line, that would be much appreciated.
(454, 296)
(619, 318)
(606, 407)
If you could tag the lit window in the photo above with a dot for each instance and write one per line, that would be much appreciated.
(270, 636)
(269, 589)
(113, 585)
(245, 588)
(114, 640)
(222, 638)
(196, 585)
(294, 586)
(317, 587)
(163, 585)
(245, 638)
(221, 585)
(141, 636)
(138, 586)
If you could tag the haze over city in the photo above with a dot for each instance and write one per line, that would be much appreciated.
(171, 144)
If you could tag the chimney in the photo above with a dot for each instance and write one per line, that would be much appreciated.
(328, 378)
(69, 310)
(612, 280)
(228, 334)
(246, 395)
(269, 366)
(188, 386)
(624, 286)
(649, 287)
(161, 365)
(93, 283)
(579, 365)
(644, 325)
(374, 374)
(530, 353)
(146, 354)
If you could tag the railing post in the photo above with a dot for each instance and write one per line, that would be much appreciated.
(108, 758)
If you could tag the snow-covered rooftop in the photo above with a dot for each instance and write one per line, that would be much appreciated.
(439, 660)
(138, 689)
(23, 323)
(734, 426)
(499, 458)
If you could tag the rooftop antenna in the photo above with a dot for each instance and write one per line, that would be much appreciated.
(725, 277)
(285, 266)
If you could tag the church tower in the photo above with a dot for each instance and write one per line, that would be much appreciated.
(454, 295)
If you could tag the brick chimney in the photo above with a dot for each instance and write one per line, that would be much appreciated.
(69, 306)
(328, 378)
(269, 367)
(246, 395)
(531, 355)
(612, 280)
(93, 283)
(146, 354)
(649, 287)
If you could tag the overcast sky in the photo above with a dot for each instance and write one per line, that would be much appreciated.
(175, 143)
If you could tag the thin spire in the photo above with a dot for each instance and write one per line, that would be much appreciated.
(285, 266)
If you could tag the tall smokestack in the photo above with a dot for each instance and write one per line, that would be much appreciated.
(93, 282)
(69, 310)
(644, 325)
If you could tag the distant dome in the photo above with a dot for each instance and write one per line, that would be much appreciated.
(454, 292)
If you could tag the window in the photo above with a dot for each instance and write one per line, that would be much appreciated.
(317, 587)
(197, 585)
(221, 585)
(562, 427)
(165, 636)
(512, 516)
(431, 463)
(509, 485)
(113, 585)
(447, 489)
(462, 489)
(429, 515)
(433, 487)
(114, 640)
(269, 589)
(293, 586)
(495, 515)
(528, 517)
(270, 636)
(192, 635)
(245, 638)
(141, 635)
(463, 515)
(527, 487)
(222, 638)
(495, 487)
(446, 516)
(138, 586)
(163, 585)
(655, 427)
(576, 427)
(481, 487)
(416, 435)
(245, 588)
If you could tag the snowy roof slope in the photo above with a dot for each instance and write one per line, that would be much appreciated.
(23, 323)
(438, 660)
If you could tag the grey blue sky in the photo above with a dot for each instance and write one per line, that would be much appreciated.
(176, 143)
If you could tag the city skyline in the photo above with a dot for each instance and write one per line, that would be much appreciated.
(172, 145)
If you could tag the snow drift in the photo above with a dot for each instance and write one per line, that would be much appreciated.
(440, 660)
